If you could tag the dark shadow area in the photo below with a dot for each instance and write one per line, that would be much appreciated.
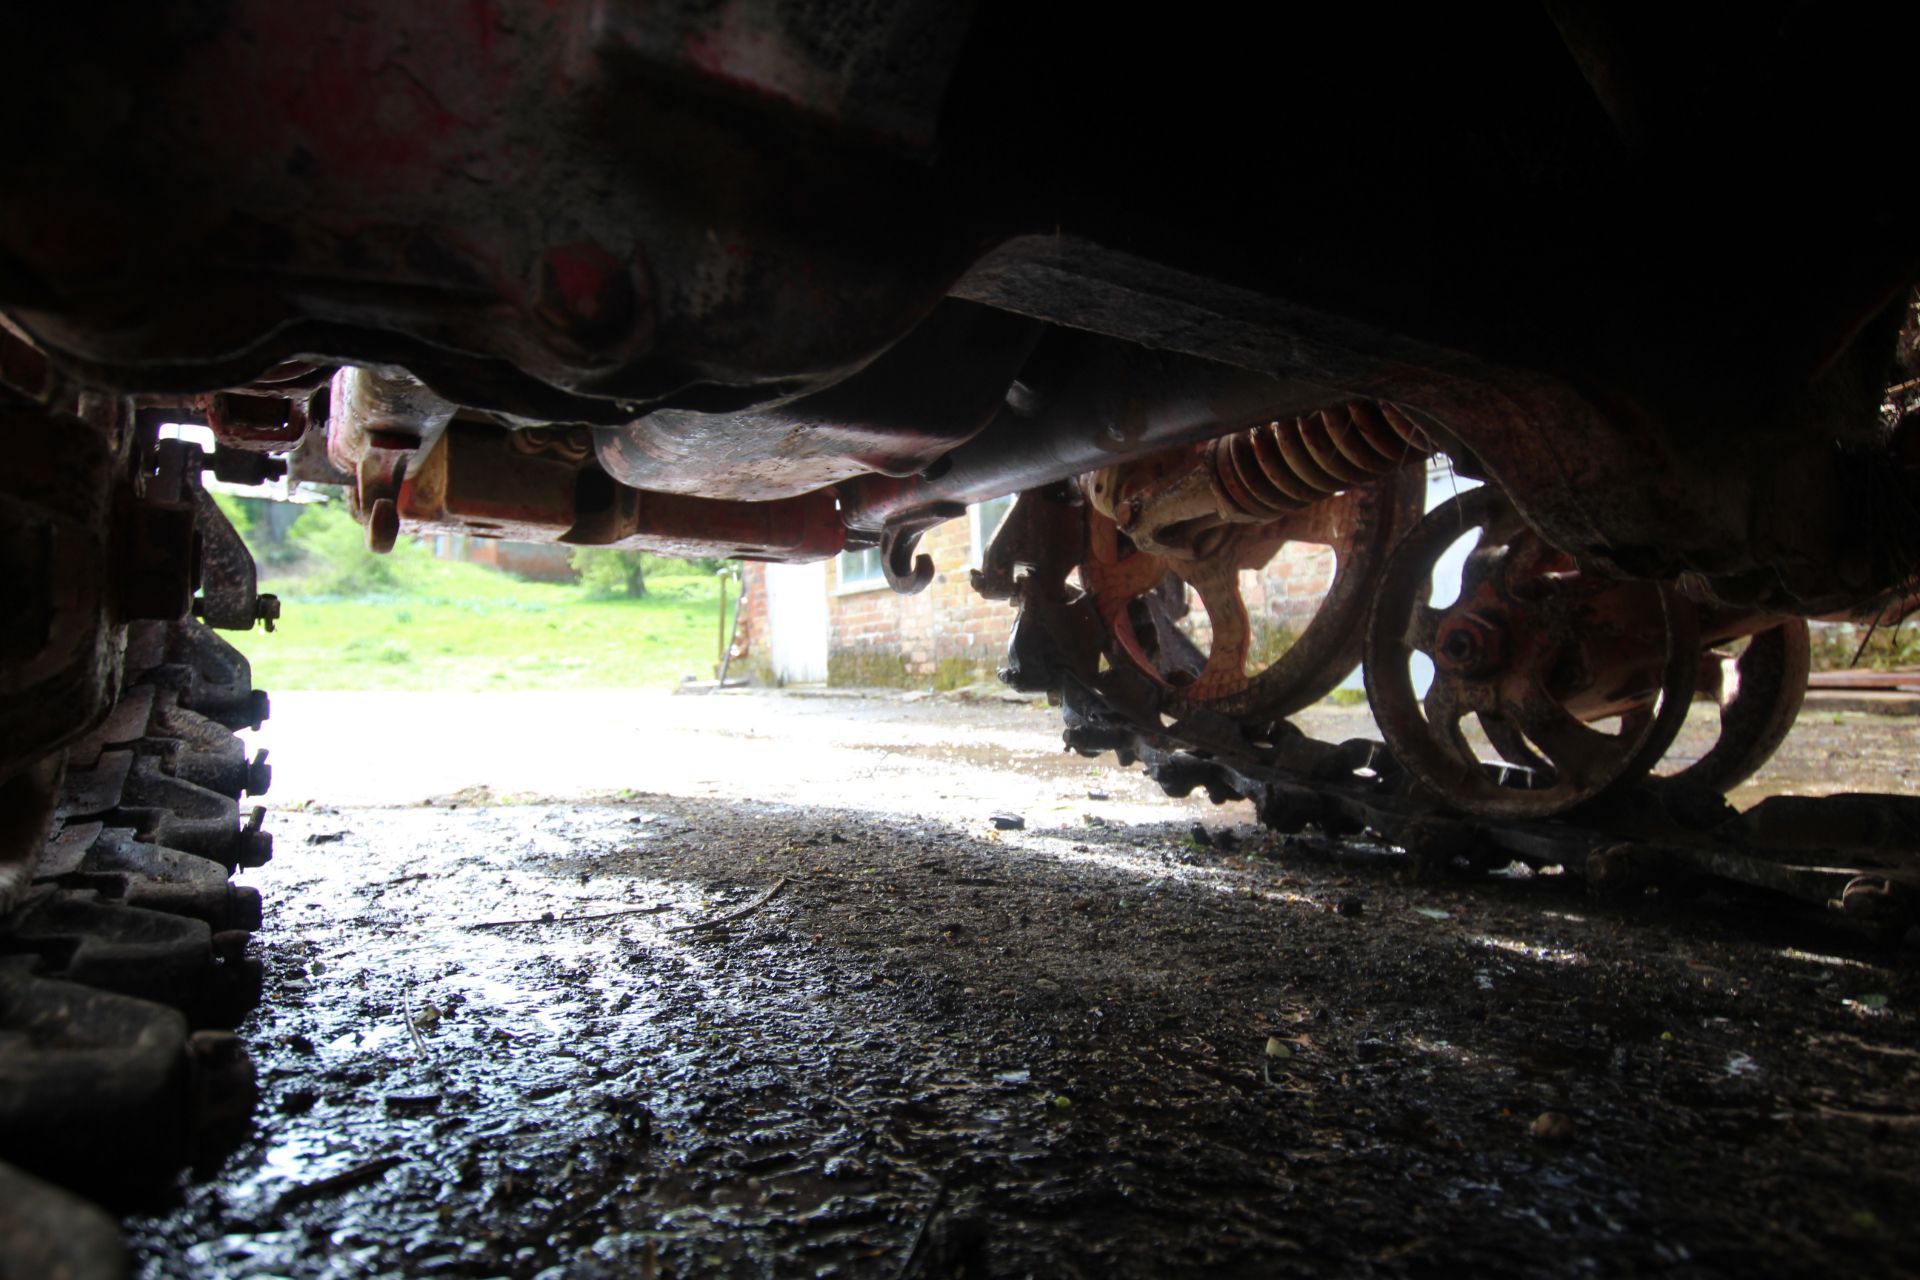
(1114, 1051)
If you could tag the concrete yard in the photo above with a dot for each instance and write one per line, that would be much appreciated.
(752, 984)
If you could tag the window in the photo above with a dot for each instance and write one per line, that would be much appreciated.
(987, 518)
(860, 570)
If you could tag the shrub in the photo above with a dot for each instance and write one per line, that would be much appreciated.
(343, 566)
(606, 572)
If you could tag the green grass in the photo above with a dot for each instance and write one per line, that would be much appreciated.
(449, 625)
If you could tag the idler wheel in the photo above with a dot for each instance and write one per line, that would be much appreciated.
(1140, 597)
(1759, 692)
(1581, 680)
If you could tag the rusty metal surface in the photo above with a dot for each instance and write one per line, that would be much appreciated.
(259, 423)
(409, 190)
(920, 399)
(569, 203)
(1534, 649)
(1625, 491)
(1281, 467)
(1082, 404)
(126, 962)
(1759, 694)
(59, 492)
(381, 429)
(228, 598)
(1814, 850)
(710, 237)
(605, 214)
(1360, 526)
(159, 534)
(485, 481)
(1204, 516)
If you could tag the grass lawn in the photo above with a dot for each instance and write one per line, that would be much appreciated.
(461, 626)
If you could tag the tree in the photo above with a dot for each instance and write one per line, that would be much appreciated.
(607, 571)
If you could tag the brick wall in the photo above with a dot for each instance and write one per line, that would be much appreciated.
(944, 637)
(1281, 599)
(752, 650)
(947, 636)
(546, 561)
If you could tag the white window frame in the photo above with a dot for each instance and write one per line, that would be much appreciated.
(874, 581)
(978, 539)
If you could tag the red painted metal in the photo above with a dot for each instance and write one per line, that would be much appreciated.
(530, 487)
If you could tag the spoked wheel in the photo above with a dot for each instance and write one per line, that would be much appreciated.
(1759, 692)
(1582, 680)
(1138, 596)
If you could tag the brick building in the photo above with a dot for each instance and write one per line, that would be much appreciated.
(545, 561)
(840, 623)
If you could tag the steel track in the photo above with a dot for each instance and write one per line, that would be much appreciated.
(1857, 855)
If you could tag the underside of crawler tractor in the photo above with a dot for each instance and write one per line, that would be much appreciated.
(776, 279)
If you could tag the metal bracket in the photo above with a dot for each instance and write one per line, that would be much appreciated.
(1044, 532)
(906, 573)
(228, 583)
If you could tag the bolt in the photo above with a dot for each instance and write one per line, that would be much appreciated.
(252, 849)
(259, 774)
(1460, 647)
(1470, 645)
(243, 908)
(230, 945)
(266, 609)
(251, 846)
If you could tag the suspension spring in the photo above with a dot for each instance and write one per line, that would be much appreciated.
(1270, 470)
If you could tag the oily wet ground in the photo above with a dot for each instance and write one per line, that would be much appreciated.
(1087, 1048)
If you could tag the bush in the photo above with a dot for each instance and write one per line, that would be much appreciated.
(1840, 646)
(343, 566)
(606, 572)
(262, 524)
(242, 513)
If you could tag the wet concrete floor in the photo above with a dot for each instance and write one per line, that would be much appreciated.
(752, 985)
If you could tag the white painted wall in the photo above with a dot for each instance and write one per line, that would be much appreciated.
(797, 621)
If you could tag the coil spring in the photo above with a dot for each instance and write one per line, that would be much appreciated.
(1278, 467)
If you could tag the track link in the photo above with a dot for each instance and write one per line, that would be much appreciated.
(1857, 855)
(124, 960)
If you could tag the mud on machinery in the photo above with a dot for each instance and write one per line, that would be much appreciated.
(783, 278)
